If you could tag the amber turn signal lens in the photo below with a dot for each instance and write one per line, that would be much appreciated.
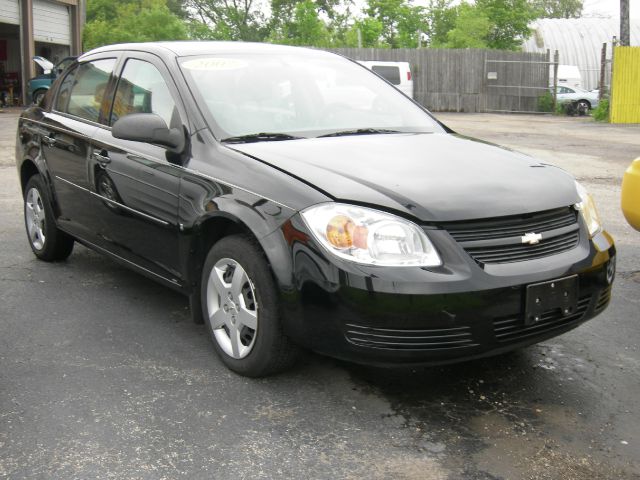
(338, 231)
(342, 232)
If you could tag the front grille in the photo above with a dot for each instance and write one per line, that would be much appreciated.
(513, 226)
(452, 338)
(520, 252)
(499, 240)
(513, 328)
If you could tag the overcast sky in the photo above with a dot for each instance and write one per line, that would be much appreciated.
(610, 8)
(592, 8)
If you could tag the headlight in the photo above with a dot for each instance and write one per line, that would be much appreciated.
(364, 235)
(587, 208)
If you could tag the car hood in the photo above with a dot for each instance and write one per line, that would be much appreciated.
(45, 64)
(435, 177)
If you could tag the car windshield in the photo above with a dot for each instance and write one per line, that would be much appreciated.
(302, 95)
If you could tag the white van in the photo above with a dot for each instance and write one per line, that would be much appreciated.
(568, 76)
(396, 73)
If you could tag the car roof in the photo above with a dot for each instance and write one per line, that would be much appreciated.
(188, 48)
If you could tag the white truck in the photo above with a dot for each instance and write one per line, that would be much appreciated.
(396, 73)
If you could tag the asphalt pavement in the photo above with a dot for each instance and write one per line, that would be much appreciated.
(103, 374)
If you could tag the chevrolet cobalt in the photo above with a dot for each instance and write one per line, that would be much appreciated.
(300, 200)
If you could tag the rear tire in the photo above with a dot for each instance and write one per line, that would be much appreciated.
(47, 242)
(240, 307)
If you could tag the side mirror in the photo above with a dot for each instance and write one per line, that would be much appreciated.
(148, 128)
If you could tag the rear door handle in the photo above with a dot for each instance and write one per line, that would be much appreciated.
(49, 140)
(101, 159)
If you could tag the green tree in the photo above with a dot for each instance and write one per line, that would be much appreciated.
(440, 20)
(558, 8)
(370, 33)
(471, 28)
(301, 26)
(401, 21)
(228, 20)
(340, 26)
(130, 21)
(102, 9)
(509, 21)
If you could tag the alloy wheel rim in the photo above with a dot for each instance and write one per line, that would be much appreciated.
(232, 308)
(35, 217)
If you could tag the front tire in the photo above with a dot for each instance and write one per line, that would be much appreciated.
(47, 241)
(240, 307)
(583, 107)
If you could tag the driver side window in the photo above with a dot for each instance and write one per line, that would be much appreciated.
(142, 89)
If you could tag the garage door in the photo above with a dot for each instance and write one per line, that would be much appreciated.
(51, 22)
(9, 12)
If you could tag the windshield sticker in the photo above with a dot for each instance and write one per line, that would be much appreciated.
(214, 64)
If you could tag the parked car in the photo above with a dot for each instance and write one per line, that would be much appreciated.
(37, 87)
(583, 99)
(248, 177)
(396, 73)
(631, 194)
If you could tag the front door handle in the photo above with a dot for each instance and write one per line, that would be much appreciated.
(103, 160)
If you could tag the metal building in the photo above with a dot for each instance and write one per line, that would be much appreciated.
(579, 42)
(48, 28)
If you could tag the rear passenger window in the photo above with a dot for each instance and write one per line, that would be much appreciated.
(87, 93)
(390, 74)
(142, 89)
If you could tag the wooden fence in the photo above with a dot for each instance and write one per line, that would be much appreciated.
(469, 80)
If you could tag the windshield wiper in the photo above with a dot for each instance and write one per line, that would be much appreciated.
(360, 131)
(260, 137)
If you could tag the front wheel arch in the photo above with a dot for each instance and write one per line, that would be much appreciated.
(27, 170)
(36, 93)
(205, 235)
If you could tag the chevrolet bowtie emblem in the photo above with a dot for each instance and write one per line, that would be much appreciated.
(531, 238)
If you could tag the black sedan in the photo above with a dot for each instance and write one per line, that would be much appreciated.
(300, 200)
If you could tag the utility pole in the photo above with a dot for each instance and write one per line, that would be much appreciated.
(556, 61)
(603, 72)
(625, 39)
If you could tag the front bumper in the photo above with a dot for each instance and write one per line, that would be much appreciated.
(430, 316)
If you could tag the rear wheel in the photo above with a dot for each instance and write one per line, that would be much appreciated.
(46, 240)
(240, 307)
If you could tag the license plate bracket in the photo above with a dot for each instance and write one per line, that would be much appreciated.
(560, 294)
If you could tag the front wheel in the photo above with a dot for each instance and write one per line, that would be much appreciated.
(240, 307)
(46, 240)
(583, 107)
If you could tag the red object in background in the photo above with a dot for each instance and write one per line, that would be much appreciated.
(3, 50)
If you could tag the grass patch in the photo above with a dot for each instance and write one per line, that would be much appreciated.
(601, 112)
